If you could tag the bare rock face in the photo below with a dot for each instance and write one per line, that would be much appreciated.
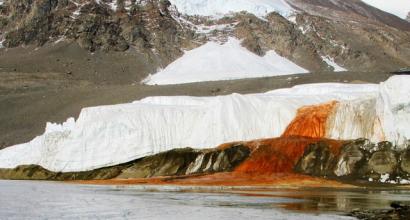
(350, 155)
(277, 33)
(96, 26)
(358, 160)
(405, 161)
(187, 161)
(382, 162)
(408, 17)
(316, 161)
(178, 162)
(399, 212)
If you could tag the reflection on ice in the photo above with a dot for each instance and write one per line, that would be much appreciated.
(48, 200)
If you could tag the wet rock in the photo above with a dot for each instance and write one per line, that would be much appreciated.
(405, 161)
(219, 161)
(358, 160)
(350, 155)
(187, 161)
(382, 162)
(35, 172)
(174, 162)
(398, 211)
(316, 161)
(177, 162)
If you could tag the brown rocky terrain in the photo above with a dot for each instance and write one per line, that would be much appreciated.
(349, 11)
(357, 36)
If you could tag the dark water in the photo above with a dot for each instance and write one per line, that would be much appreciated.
(49, 200)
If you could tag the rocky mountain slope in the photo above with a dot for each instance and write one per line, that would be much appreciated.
(312, 34)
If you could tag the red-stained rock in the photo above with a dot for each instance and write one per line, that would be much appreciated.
(279, 155)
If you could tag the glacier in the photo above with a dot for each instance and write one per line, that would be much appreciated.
(213, 61)
(218, 8)
(110, 135)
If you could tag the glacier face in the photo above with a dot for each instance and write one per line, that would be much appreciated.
(109, 135)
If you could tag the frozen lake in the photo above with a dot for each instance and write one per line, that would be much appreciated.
(54, 200)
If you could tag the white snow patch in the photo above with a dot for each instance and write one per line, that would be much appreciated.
(331, 62)
(219, 8)
(213, 62)
(109, 135)
(292, 18)
(384, 177)
(404, 181)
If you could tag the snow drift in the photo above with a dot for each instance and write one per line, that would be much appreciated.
(214, 61)
(216, 8)
(110, 135)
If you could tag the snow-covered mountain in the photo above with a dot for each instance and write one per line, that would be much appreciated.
(109, 135)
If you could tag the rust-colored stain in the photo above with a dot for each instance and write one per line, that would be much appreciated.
(310, 121)
(279, 155)
(270, 164)
(229, 179)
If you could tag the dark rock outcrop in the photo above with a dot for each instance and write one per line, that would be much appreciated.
(316, 161)
(358, 160)
(351, 154)
(398, 211)
(178, 162)
(186, 162)
(94, 26)
(35, 172)
(277, 33)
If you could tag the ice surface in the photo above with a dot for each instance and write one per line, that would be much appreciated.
(394, 108)
(110, 135)
(217, 8)
(213, 61)
(46, 200)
